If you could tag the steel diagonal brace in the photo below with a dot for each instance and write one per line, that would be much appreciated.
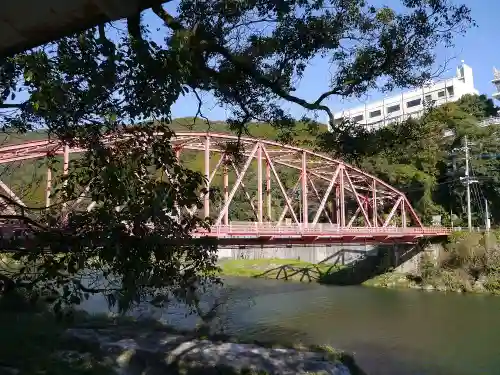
(413, 214)
(11, 194)
(360, 204)
(327, 193)
(354, 216)
(319, 199)
(285, 210)
(285, 195)
(193, 210)
(245, 191)
(73, 205)
(237, 183)
(393, 211)
(7, 207)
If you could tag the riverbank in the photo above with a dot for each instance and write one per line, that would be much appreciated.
(469, 262)
(33, 341)
(432, 277)
(441, 281)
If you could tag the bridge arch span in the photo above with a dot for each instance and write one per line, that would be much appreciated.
(291, 191)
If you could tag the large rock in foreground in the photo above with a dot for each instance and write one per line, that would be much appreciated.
(156, 352)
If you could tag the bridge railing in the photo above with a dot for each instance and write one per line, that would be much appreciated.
(321, 228)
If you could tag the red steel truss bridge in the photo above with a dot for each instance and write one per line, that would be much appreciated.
(328, 201)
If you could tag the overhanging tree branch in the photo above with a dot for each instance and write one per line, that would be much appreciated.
(12, 105)
(247, 68)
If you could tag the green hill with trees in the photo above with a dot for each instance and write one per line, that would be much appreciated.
(424, 159)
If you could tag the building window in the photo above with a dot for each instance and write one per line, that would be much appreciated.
(393, 108)
(441, 94)
(414, 103)
(450, 91)
(376, 113)
(357, 118)
(429, 100)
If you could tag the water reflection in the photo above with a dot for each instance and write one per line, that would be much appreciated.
(391, 332)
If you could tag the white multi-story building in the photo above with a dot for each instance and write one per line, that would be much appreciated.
(496, 82)
(412, 103)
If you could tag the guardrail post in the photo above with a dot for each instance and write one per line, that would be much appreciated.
(342, 197)
(305, 208)
(206, 202)
(403, 214)
(48, 189)
(259, 184)
(226, 191)
(374, 204)
(268, 192)
(65, 183)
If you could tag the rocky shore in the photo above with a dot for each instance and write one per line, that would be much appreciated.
(137, 352)
(84, 344)
(445, 282)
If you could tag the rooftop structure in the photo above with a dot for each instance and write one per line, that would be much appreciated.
(412, 103)
(496, 82)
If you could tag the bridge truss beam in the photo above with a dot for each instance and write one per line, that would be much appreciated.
(294, 194)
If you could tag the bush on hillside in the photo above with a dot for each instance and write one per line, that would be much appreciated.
(469, 261)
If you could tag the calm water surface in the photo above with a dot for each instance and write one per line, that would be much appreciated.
(390, 332)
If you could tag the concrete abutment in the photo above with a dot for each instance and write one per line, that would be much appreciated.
(404, 258)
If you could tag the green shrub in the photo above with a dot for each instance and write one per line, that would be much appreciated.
(492, 283)
(456, 280)
(427, 267)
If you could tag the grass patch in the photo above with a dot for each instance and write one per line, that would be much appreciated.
(356, 273)
(280, 269)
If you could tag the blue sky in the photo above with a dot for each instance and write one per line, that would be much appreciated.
(478, 48)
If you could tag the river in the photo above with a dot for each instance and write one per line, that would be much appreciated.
(390, 332)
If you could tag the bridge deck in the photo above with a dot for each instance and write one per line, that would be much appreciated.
(292, 234)
(258, 233)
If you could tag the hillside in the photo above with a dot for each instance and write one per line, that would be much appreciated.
(27, 178)
(302, 133)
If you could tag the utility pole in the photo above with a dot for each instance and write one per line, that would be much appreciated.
(467, 182)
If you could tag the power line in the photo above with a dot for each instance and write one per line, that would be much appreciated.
(485, 211)
(408, 190)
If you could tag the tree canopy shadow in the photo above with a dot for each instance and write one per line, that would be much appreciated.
(382, 259)
(310, 272)
(294, 272)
